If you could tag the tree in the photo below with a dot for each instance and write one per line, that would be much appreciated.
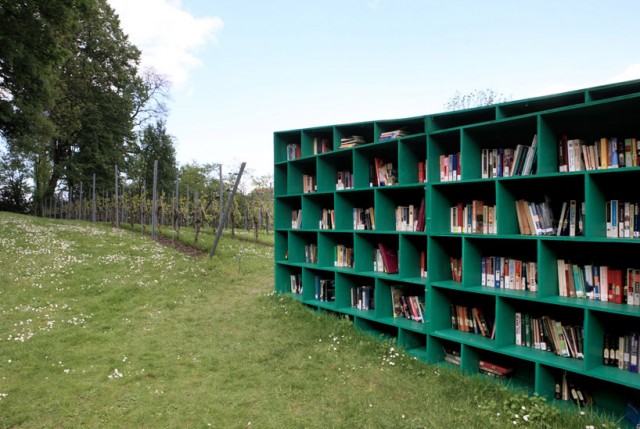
(14, 187)
(156, 144)
(94, 100)
(32, 48)
(477, 98)
(261, 202)
(150, 99)
(195, 177)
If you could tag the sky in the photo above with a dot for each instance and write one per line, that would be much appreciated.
(243, 69)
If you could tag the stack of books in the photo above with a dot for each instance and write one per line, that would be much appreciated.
(494, 370)
(351, 141)
(390, 135)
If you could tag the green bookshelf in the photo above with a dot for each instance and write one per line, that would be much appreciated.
(415, 160)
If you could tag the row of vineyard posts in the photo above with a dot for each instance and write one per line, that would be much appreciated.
(124, 206)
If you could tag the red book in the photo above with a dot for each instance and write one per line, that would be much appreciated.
(616, 286)
(494, 367)
(421, 217)
(389, 259)
(421, 172)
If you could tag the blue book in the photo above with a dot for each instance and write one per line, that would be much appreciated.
(633, 358)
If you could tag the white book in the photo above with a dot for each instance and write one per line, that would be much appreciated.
(562, 281)
(491, 261)
(573, 215)
(563, 213)
(614, 218)
(604, 283)
(608, 218)
(570, 156)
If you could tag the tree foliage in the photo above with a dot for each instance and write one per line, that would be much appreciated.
(94, 100)
(477, 98)
(72, 95)
(14, 186)
(155, 144)
(34, 38)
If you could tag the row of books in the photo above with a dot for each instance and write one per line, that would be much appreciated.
(599, 282)
(344, 180)
(547, 334)
(311, 253)
(351, 141)
(450, 167)
(506, 162)
(485, 367)
(622, 351)
(293, 151)
(568, 390)
(471, 319)
(362, 297)
(456, 269)
(364, 219)
(623, 219)
(343, 257)
(535, 218)
(509, 273)
(407, 219)
(496, 162)
(407, 305)
(309, 183)
(327, 219)
(538, 219)
(391, 135)
(602, 154)
(321, 145)
(296, 219)
(296, 284)
(473, 218)
(325, 289)
(571, 221)
(382, 173)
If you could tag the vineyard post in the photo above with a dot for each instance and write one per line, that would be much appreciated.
(226, 209)
(154, 196)
(93, 201)
(116, 201)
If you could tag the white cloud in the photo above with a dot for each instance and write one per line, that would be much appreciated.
(632, 72)
(168, 36)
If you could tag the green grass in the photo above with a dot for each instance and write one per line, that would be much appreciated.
(206, 237)
(105, 328)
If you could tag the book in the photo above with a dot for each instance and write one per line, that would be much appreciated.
(389, 258)
(562, 278)
(530, 160)
(421, 219)
(491, 368)
(452, 355)
(396, 295)
(391, 135)
(351, 141)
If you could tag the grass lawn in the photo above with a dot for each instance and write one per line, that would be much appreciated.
(101, 327)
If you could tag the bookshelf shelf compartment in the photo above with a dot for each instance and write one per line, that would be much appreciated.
(442, 264)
